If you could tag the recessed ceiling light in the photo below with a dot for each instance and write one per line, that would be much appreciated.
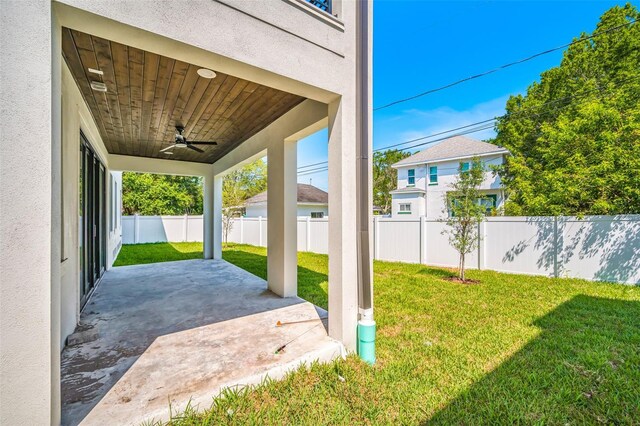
(98, 86)
(95, 71)
(206, 73)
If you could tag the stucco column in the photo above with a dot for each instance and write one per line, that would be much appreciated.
(212, 217)
(282, 256)
(217, 217)
(29, 214)
(343, 233)
(207, 216)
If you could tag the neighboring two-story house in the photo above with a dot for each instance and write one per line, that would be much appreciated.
(425, 177)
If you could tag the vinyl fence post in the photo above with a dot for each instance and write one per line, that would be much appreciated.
(308, 234)
(423, 240)
(185, 227)
(481, 239)
(260, 231)
(136, 228)
(556, 271)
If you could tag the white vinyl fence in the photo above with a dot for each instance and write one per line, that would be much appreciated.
(602, 248)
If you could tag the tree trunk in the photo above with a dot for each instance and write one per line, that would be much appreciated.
(461, 270)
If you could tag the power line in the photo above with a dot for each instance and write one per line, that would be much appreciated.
(501, 67)
(482, 125)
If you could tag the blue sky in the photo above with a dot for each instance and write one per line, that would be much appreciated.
(419, 45)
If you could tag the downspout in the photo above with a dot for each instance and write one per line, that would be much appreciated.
(364, 88)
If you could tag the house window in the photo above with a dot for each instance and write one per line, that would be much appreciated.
(464, 167)
(317, 215)
(411, 177)
(405, 208)
(433, 175)
(490, 202)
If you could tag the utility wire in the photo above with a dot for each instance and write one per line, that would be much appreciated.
(501, 67)
(514, 114)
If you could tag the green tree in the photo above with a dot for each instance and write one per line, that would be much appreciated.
(385, 177)
(244, 183)
(465, 212)
(154, 194)
(575, 136)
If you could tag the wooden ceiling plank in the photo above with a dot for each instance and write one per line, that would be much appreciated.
(88, 60)
(74, 63)
(149, 83)
(255, 100)
(175, 84)
(223, 107)
(175, 118)
(212, 87)
(218, 99)
(136, 71)
(102, 49)
(230, 141)
(195, 99)
(162, 85)
(208, 106)
(120, 55)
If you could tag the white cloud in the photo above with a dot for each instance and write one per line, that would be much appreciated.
(414, 123)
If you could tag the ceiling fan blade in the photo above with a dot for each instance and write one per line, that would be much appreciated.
(202, 143)
(167, 148)
(194, 148)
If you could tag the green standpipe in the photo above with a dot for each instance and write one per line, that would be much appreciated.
(367, 341)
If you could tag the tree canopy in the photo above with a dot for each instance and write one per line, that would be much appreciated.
(575, 136)
(152, 194)
(244, 183)
(385, 178)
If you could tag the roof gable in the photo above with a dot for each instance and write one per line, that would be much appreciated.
(455, 147)
(306, 194)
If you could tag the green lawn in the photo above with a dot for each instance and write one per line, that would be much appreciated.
(512, 349)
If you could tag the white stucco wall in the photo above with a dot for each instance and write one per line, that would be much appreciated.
(416, 200)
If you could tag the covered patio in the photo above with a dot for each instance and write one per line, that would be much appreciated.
(105, 88)
(166, 334)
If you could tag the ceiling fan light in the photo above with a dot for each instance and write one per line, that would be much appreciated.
(168, 152)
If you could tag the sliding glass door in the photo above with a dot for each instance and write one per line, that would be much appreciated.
(92, 220)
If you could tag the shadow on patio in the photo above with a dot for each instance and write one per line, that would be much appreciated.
(169, 332)
(587, 351)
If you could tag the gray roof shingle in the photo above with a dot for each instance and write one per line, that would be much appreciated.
(455, 147)
(306, 194)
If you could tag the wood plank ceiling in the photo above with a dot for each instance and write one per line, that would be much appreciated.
(149, 94)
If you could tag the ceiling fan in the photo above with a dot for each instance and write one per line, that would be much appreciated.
(182, 142)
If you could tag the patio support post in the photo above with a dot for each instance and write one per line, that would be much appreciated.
(217, 217)
(207, 216)
(343, 232)
(282, 257)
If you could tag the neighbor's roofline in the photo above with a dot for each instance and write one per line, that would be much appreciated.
(460, 157)
(304, 203)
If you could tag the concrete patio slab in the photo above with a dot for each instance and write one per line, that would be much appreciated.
(179, 331)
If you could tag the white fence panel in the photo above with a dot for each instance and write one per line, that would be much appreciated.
(302, 234)
(398, 240)
(251, 231)
(595, 247)
(195, 228)
(520, 244)
(319, 231)
(128, 230)
(603, 248)
(438, 250)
